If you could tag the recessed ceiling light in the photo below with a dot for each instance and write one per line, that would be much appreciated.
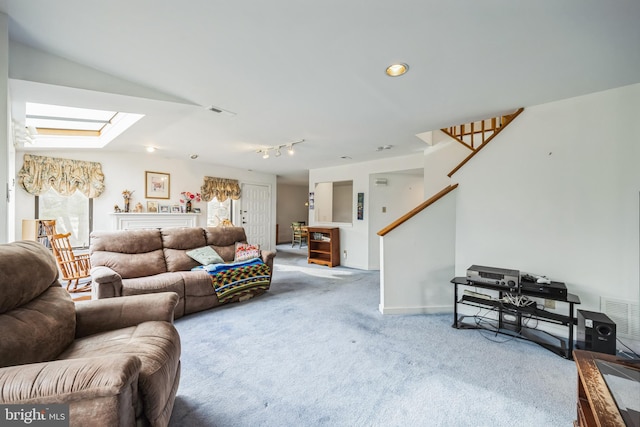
(150, 149)
(193, 156)
(396, 70)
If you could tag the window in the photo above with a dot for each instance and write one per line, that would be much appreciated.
(73, 214)
(218, 211)
(70, 127)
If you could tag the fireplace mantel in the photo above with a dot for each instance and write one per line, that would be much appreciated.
(137, 221)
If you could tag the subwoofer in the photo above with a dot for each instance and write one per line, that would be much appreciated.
(596, 332)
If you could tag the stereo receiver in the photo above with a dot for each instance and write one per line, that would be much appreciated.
(494, 276)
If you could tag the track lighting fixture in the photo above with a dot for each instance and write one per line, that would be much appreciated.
(277, 149)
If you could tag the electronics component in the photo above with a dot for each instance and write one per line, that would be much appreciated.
(477, 294)
(557, 290)
(596, 332)
(494, 276)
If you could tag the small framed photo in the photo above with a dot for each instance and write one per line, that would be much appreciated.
(157, 185)
(164, 209)
(196, 210)
(175, 209)
(360, 206)
(152, 207)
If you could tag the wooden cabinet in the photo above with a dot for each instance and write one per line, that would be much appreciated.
(34, 229)
(324, 246)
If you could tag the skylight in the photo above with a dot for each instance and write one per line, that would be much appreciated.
(56, 126)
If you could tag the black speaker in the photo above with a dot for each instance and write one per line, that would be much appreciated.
(596, 332)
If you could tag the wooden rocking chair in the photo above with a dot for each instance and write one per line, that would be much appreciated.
(73, 267)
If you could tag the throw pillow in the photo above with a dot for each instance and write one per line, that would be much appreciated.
(245, 251)
(205, 255)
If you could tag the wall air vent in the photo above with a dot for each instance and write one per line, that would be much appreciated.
(626, 316)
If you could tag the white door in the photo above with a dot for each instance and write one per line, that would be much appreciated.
(255, 212)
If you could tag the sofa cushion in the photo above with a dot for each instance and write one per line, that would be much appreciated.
(205, 255)
(164, 282)
(131, 253)
(157, 344)
(176, 242)
(39, 330)
(223, 240)
(132, 265)
(18, 283)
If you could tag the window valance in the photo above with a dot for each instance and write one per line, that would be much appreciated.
(220, 188)
(65, 176)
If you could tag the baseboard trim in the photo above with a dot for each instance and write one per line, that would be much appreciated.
(436, 309)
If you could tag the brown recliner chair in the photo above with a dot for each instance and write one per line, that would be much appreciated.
(115, 362)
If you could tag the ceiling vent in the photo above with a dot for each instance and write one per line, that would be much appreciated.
(218, 110)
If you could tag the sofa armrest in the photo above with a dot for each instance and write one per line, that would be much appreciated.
(106, 283)
(267, 258)
(97, 316)
(65, 381)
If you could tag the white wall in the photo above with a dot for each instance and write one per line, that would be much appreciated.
(557, 194)
(323, 202)
(439, 160)
(6, 143)
(342, 209)
(127, 171)
(419, 261)
(389, 202)
(355, 237)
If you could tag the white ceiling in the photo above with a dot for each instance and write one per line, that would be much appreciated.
(314, 70)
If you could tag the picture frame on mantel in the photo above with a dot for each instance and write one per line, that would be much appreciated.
(157, 185)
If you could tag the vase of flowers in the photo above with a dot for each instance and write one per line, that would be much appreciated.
(188, 198)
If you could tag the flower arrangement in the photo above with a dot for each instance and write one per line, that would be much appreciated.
(190, 197)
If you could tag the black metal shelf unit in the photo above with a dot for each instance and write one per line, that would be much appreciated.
(513, 319)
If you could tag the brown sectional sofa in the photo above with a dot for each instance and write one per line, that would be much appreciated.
(131, 262)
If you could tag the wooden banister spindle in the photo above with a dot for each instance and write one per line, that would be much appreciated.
(472, 135)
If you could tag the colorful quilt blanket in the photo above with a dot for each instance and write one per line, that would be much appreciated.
(240, 280)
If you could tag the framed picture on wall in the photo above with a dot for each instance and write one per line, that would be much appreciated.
(157, 185)
(360, 207)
